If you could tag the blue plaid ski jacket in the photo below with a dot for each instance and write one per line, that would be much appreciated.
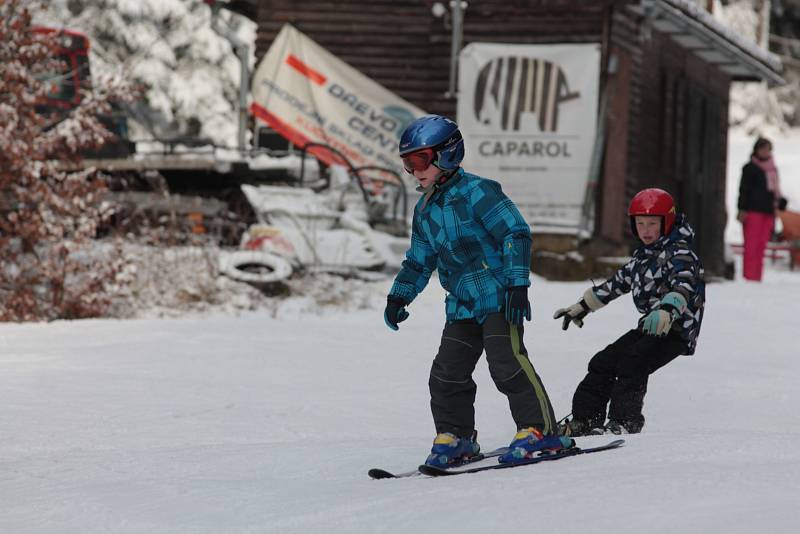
(472, 233)
(668, 264)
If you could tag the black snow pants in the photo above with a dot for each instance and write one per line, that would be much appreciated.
(619, 374)
(453, 390)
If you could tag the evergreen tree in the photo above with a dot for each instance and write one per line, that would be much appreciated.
(189, 72)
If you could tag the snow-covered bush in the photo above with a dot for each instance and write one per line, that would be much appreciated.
(50, 213)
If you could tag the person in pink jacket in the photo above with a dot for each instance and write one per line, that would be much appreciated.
(759, 198)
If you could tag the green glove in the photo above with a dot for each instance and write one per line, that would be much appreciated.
(659, 322)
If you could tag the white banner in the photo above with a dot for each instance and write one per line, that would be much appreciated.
(307, 94)
(528, 115)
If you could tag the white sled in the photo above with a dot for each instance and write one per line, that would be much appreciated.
(316, 231)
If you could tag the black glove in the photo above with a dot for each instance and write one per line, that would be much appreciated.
(517, 305)
(395, 312)
(574, 314)
(782, 202)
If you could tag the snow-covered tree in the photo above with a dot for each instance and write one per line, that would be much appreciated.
(190, 73)
(784, 40)
(50, 213)
(755, 107)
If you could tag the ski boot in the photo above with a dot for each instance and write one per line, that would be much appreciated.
(530, 442)
(449, 450)
(624, 427)
(580, 427)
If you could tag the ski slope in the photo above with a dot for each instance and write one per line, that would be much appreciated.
(269, 423)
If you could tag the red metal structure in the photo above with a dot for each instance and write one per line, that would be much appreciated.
(72, 48)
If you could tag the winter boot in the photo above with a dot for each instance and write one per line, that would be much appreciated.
(579, 427)
(624, 427)
(530, 442)
(449, 450)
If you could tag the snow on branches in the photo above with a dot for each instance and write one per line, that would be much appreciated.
(189, 73)
(49, 211)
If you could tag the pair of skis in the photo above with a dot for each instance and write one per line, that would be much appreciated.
(382, 473)
(460, 469)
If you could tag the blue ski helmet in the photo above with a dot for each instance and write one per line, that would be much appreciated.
(438, 133)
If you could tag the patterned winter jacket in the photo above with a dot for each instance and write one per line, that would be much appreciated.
(669, 264)
(472, 233)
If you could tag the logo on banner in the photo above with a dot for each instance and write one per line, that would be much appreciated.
(313, 98)
(403, 117)
(508, 87)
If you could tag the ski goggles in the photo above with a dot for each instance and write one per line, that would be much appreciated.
(419, 160)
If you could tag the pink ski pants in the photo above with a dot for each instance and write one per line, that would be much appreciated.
(757, 231)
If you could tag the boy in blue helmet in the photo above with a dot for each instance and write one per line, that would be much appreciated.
(468, 230)
(665, 277)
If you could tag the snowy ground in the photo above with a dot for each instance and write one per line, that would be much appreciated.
(268, 422)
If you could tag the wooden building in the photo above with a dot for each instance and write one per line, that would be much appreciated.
(666, 69)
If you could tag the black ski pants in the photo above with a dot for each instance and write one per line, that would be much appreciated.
(618, 377)
(453, 390)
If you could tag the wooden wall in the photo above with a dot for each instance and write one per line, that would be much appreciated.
(402, 46)
(667, 121)
(681, 141)
(667, 128)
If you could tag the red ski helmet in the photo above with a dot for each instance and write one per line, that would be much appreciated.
(653, 201)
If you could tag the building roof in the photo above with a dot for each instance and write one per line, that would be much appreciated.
(248, 8)
(697, 30)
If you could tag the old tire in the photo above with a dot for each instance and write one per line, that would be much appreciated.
(254, 267)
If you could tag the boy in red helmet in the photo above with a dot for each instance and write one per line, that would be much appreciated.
(665, 277)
